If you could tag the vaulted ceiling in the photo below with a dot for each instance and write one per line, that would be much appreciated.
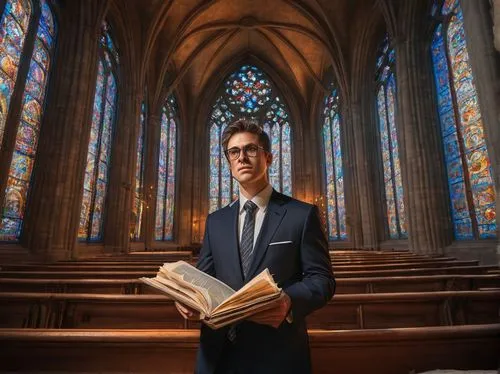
(199, 40)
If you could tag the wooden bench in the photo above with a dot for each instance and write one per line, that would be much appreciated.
(157, 264)
(356, 311)
(162, 256)
(155, 267)
(413, 272)
(410, 309)
(342, 266)
(422, 283)
(103, 274)
(129, 286)
(384, 351)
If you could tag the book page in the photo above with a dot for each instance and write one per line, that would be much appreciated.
(193, 294)
(214, 290)
(248, 304)
(176, 294)
(238, 315)
(261, 285)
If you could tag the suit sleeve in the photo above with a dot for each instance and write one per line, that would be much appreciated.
(317, 285)
(206, 261)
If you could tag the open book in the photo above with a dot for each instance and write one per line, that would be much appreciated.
(218, 304)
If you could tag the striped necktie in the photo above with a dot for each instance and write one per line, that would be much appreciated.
(246, 244)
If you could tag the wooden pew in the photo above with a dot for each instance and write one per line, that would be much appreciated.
(155, 264)
(391, 351)
(155, 267)
(410, 309)
(356, 311)
(422, 283)
(161, 256)
(80, 274)
(414, 272)
(334, 259)
(129, 286)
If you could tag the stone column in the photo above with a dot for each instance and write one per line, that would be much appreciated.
(120, 196)
(365, 222)
(185, 220)
(362, 133)
(496, 23)
(150, 175)
(418, 130)
(359, 212)
(485, 63)
(51, 222)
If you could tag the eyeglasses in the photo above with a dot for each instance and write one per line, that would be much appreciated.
(250, 150)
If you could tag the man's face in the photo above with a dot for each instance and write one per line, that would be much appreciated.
(246, 169)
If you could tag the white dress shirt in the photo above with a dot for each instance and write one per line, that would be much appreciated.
(261, 200)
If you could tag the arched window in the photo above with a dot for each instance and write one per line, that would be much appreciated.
(101, 134)
(386, 108)
(138, 206)
(334, 170)
(22, 119)
(248, 93)
(165, 198)
(470, 181)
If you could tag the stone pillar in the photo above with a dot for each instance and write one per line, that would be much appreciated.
(186, 222)
(120, 196)
(485, 63)
(363, 138)
(418, 130)
(51, 222)
(150, 175)
(496, 23)
(365, 222)
(359, 211)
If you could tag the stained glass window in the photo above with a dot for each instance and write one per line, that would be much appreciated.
(14, 27)
(334, 171)
(386, 108)
(471, 187)
(165, 198)
(101, 134)
(138, 206)
(248, 93)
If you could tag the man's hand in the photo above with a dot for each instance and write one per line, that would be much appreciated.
(275, 315)
(187, 313)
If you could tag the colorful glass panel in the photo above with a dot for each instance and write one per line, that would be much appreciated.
(248, 90)
(249, 93)
(334, 170)
(278, 128)
(223, 188)
(471, 187)
(389, 145)
(165, 197)
(99, 149)
(33, 102)
(13, 29)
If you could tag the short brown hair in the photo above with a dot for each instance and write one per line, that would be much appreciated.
(245, 125)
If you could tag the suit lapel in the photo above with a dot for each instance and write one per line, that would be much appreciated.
(233, 248)
(274, 215)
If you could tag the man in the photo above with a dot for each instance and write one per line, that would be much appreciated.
(263, 229)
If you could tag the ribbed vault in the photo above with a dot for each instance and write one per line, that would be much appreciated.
(193, 39)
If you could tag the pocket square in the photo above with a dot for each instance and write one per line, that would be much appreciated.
(285, 242)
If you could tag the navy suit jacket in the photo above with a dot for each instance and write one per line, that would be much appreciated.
(300, 265)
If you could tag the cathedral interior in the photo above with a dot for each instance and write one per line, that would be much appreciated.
(383, 113)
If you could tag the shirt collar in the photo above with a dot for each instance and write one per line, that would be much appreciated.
(261, 199)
